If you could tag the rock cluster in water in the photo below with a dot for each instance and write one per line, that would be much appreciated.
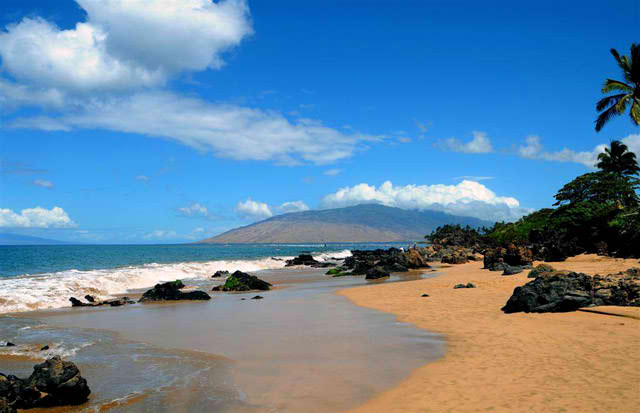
(91, 302)
(556, 291)
(240, 281)
(170, 291)
(53, 383)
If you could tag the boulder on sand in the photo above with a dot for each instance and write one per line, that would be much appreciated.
(540, 269)
(512, 255)
(467, 285)
(53, 383)
(170, 291)
(375, 273)
(561, 292)
(240, 281)
(219, 274)
(511, 270)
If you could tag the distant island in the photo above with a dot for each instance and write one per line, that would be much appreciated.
(360, 223)
(17, 239)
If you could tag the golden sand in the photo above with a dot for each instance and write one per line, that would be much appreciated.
(574, 362)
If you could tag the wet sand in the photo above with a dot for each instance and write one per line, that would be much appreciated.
(577, 362)
(301, 348)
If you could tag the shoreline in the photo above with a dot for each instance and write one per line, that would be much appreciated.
(579, 361)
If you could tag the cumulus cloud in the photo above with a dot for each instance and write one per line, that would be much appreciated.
(468, 198)
(43, 183)
(228, 131)
(194, 210)
(124, 43)
(253, 210)
(293, 206)
(36, 217)
(142, 178)
(109, 71)
(533, 149)
(479, 144)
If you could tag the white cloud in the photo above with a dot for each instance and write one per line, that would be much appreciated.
(43, 183)
(194, 210)
(160, 234)
(228, 131)
(479, 144)
(293, 206)
(633, 142)
(142, 178)
(253, 210)
(533, 149)
(124, 43)
(468, 198)
(333, 172)
(404, 140)
(36, 217)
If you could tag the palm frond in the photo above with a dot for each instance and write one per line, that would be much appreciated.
(621, 105)
(605, 117)
(609, 100)
(623, 62)
(611, 85)
(635, 112)
(635, 62)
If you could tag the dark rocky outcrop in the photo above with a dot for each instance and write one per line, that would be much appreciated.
(90, 298)
(512, 270)
(454, 259)
(375, 273)
(257, 297)
(113, 303)
(425, 295)
(390, 260)
(170, 291)
(9, 344)
(302, 259)
(562, 292)
(540, 269)
(44, 348)
(240, 281)
(467, 285)
(52, 383)
(512, 255)
(219, 274)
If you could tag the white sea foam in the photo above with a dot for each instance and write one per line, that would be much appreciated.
(35, 352)
(52, 290)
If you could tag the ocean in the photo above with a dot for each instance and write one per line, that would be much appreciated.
(301, 348)
(45, 276)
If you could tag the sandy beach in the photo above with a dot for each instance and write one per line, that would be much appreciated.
(580, 361)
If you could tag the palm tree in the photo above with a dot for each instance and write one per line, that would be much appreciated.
(617, 104)
(618, 159)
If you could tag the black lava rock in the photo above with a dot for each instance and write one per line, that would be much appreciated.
(375, 273)
(170, 291)
(240, 281)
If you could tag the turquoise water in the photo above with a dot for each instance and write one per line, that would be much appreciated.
(44, 277)
(21, 260)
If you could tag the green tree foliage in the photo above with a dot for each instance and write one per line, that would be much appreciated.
(457, 235)
(618, 159)
(629, 89)
(595, 208)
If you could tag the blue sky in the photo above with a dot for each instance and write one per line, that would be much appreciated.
(171, 121)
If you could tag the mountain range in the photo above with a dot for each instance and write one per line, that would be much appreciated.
(360, 223)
